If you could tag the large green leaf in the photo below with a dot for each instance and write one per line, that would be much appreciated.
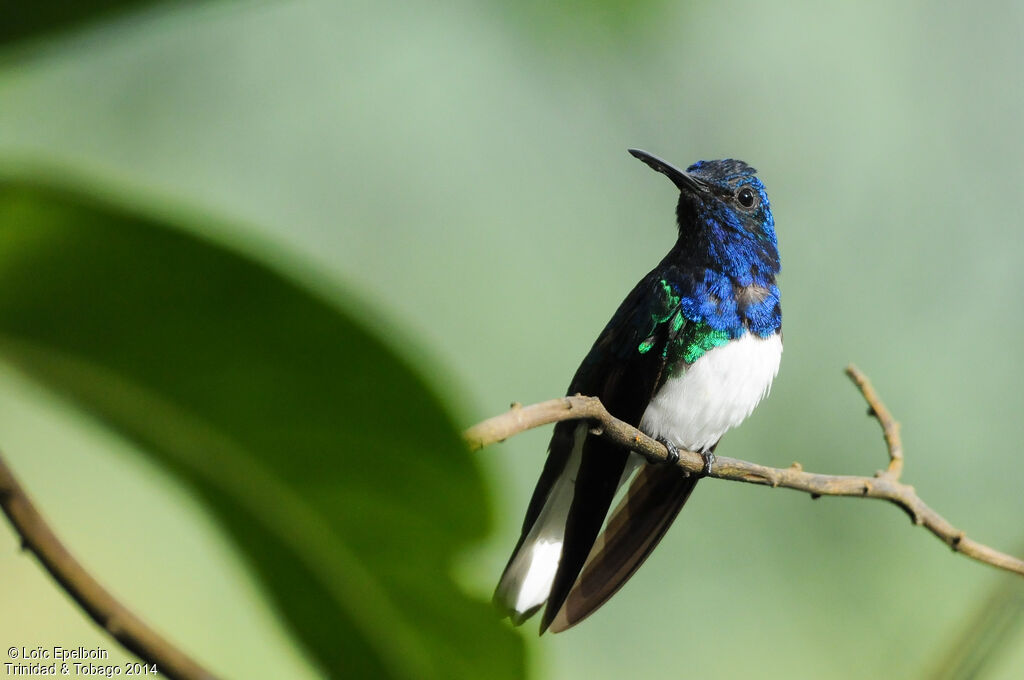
(332, 465)
(21, 19)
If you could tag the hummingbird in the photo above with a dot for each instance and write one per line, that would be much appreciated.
(688, 355)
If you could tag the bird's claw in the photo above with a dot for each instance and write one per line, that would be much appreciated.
(673, 451)
(673, 456)
(709, 460)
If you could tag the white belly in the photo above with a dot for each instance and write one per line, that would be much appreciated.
(694, 409)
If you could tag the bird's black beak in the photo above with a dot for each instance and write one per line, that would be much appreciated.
(685, 181)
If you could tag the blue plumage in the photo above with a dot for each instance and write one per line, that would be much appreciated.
(716, 300)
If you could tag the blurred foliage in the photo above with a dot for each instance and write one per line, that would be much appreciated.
(461, 169)
(592, 26)
(329, 461)
(986, 636)
(20, 20)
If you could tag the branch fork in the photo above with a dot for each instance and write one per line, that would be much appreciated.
(885, 485)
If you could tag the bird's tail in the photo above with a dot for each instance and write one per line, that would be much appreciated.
(652, 500)
(526, 583)
(633, 530)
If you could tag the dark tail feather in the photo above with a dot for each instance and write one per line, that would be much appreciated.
(652, 502)
(601, 467)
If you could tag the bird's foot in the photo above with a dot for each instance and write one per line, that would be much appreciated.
(709, 460)
(673, 451)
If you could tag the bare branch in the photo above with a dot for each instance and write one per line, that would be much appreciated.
(890, 428)
(98, 603)
(884, 485)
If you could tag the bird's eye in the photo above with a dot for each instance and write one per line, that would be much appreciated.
(747, 198)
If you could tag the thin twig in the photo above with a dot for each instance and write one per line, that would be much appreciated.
(97, 602)
(884, 485)
(890, 428)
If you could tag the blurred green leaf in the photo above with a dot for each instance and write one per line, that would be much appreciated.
(19, 20)
(332, 465)
(597, 25)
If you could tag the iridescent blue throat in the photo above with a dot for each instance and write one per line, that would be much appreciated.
(727, 305)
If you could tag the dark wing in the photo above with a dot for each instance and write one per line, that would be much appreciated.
(624, 368)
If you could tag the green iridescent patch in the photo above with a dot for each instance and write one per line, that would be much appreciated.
(670, 297)
(677, 322)
(690, 340)
(702, 339)
(669, 310)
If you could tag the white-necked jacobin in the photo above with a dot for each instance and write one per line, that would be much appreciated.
(688, 355)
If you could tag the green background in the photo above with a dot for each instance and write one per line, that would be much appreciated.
(461, 170)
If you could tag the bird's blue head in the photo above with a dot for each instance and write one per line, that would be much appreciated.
(725, 221)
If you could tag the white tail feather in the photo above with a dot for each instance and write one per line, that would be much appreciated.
(527, 582)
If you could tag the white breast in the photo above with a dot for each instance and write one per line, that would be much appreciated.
(694, 409)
